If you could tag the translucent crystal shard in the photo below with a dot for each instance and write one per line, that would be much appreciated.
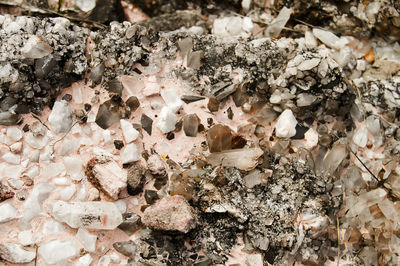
(219, 138)
(92, 215)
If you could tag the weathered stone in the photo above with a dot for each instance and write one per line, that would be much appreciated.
(135, 179)
(5, 192)
(171, 213)
(15, 253)
(106, 175)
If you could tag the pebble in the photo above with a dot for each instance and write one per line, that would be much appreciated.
(74, 169)
(286, 125)
(11, 158)
(135, 179)
(87, 240)
(14, 133)
(7, 212)
(15, 253)
(170, 214)
(56, 251)
(129, 132)
(130, 154)
(85, 260)
(5, 192)
(26, 238)
(60, 118)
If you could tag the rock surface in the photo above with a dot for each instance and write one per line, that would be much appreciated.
(15, 253)
(171, 213)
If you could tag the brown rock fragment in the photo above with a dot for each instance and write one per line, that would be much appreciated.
(170, 214)
(135, 179)
(5, 192)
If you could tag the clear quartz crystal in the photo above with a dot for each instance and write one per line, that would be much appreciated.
(92, 215)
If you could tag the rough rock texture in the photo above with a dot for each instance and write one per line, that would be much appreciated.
(106, 175)
(31, 82)
(171, 213)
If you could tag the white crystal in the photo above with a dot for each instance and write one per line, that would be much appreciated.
(36, 142)
(33, 205)
(373, 125)
(16, 147)
(52, 170)
(13, 171)
(311, 137)
(333, 158)
(310, 40)
(26, 238)
(14, 133)
(360, 137)
(309, 64)
(130, 133)
(15, 253)
(36, 47)
(130, 154)
(53, 227)
(276, 26)
(85, 260)
(305, 99)
(234, 26)
(328, 38)
(57, 251)
(247, 24)
(7, 212)
(15, 183)
(60, 118)
(167, 120)
(32, 171)
(172, 99)
(11, 158)
(246, 4)
(286, 125)
(93, 215)
(121, 205)
(67, 192)
(74, 169)
(87, 240)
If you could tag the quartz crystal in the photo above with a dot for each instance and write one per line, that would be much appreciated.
(190, 125)
(92, 215)
(56, 251)
(286, 125)
(60, 118)
(219, 138)
(15, 253)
